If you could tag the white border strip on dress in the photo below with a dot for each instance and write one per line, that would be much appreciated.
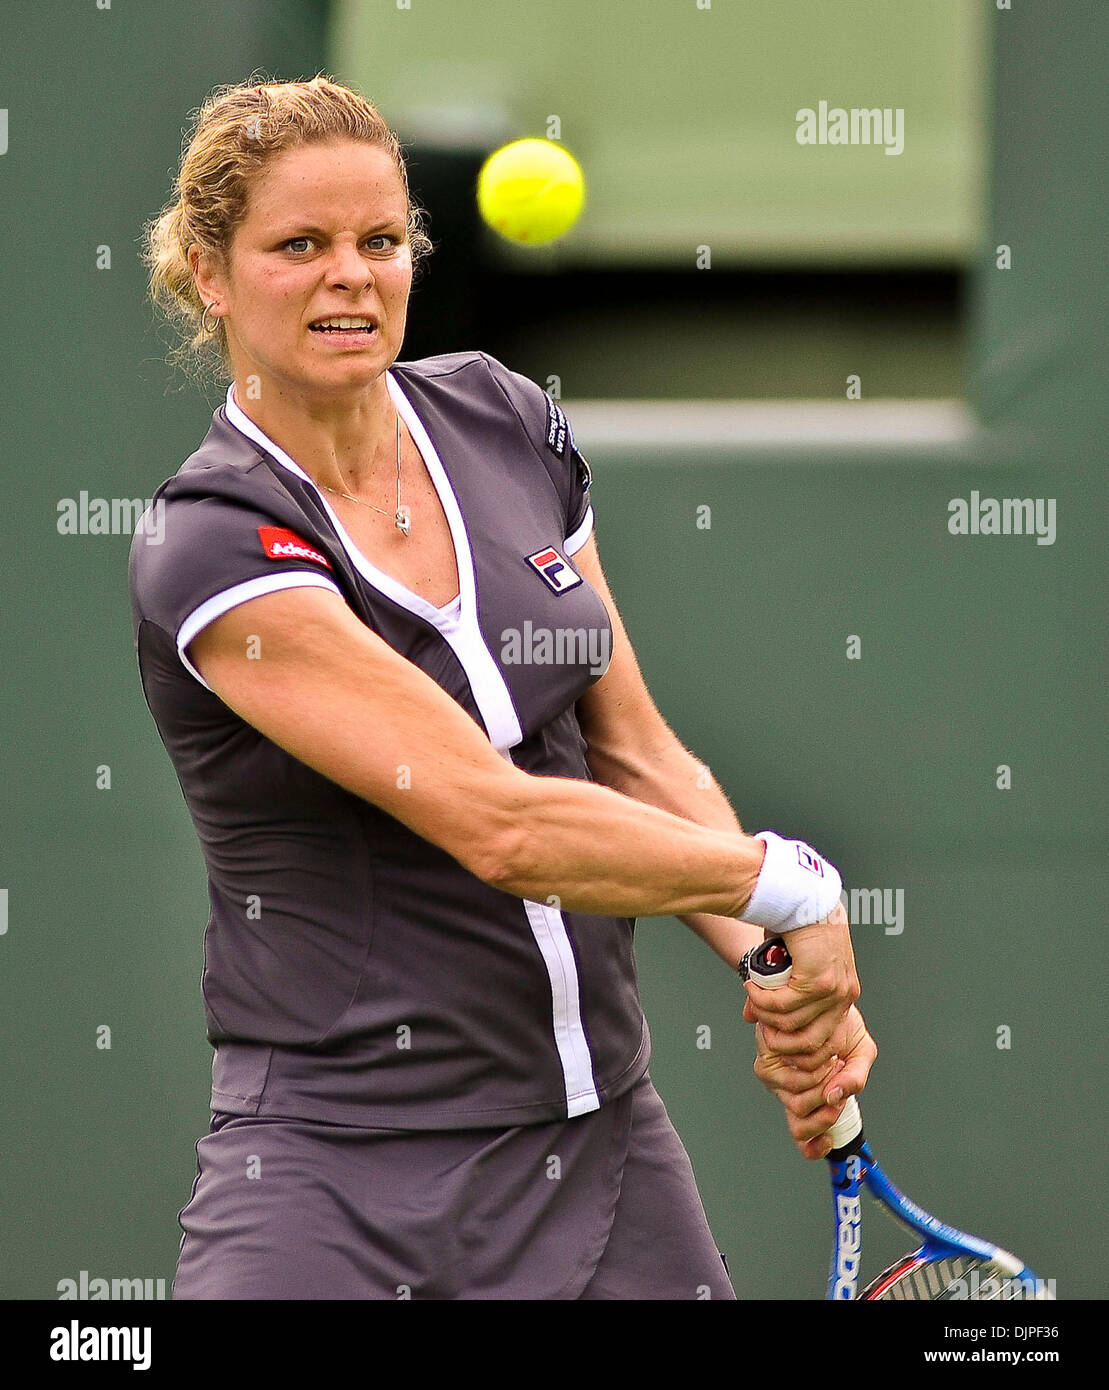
(576, 539)
(223, 602)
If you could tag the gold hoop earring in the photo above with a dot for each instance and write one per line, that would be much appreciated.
(204, 320)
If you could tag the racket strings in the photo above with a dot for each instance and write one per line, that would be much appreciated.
(951, 1277)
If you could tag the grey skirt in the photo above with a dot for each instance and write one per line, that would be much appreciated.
(603, 1206)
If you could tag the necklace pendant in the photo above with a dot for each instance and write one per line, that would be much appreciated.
(403, 521)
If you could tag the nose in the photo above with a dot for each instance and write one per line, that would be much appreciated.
(347, 269)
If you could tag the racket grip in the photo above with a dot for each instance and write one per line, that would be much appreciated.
(848, 1127)
(770, 965)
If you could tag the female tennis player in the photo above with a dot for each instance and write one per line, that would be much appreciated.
(428, 819)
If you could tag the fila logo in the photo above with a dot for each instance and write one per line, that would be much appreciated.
(280, 544)
(808, 860)
(556, 573)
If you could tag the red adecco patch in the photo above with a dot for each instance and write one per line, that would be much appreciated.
(280, 544)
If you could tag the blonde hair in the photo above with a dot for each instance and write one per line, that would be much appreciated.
(237, 131)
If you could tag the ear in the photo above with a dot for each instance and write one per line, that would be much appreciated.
(208, 274)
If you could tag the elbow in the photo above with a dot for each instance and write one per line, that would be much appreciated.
(500, 850)
(501, 858)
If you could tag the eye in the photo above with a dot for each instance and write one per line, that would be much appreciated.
(388, 240)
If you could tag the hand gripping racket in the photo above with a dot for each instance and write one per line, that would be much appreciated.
(947, 1263)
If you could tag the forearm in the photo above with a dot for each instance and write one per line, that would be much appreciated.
(597, 850)
(729, 938)
(673, 780)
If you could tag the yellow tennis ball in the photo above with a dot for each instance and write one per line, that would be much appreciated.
(531, 191)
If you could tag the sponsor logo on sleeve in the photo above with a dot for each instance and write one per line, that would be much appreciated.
(558, 427)
(553, 570)
(280, 544)
(808, 860)
(560, 432)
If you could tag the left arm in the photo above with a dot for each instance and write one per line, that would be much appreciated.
(632, 749)
(818, 1050)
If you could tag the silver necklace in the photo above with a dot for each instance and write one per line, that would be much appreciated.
(401, 518)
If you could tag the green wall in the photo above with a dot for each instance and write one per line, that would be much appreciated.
(685, 116)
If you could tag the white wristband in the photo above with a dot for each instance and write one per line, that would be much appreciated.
(796, 886)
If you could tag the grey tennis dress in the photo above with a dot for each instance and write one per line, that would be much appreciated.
(422, 1086)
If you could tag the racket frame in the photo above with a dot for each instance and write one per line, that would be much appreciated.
(854, 1169)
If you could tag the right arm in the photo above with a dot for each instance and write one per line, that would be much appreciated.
(337, 697)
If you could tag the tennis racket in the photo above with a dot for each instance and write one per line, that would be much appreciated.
(947, 1263)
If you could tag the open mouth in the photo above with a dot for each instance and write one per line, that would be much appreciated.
(355, 328)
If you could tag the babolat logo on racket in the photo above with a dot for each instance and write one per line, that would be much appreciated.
(555, 572)
(280, 544)
(849, 1243)
(808, 860)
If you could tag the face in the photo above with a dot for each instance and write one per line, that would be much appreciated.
(324, 236)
